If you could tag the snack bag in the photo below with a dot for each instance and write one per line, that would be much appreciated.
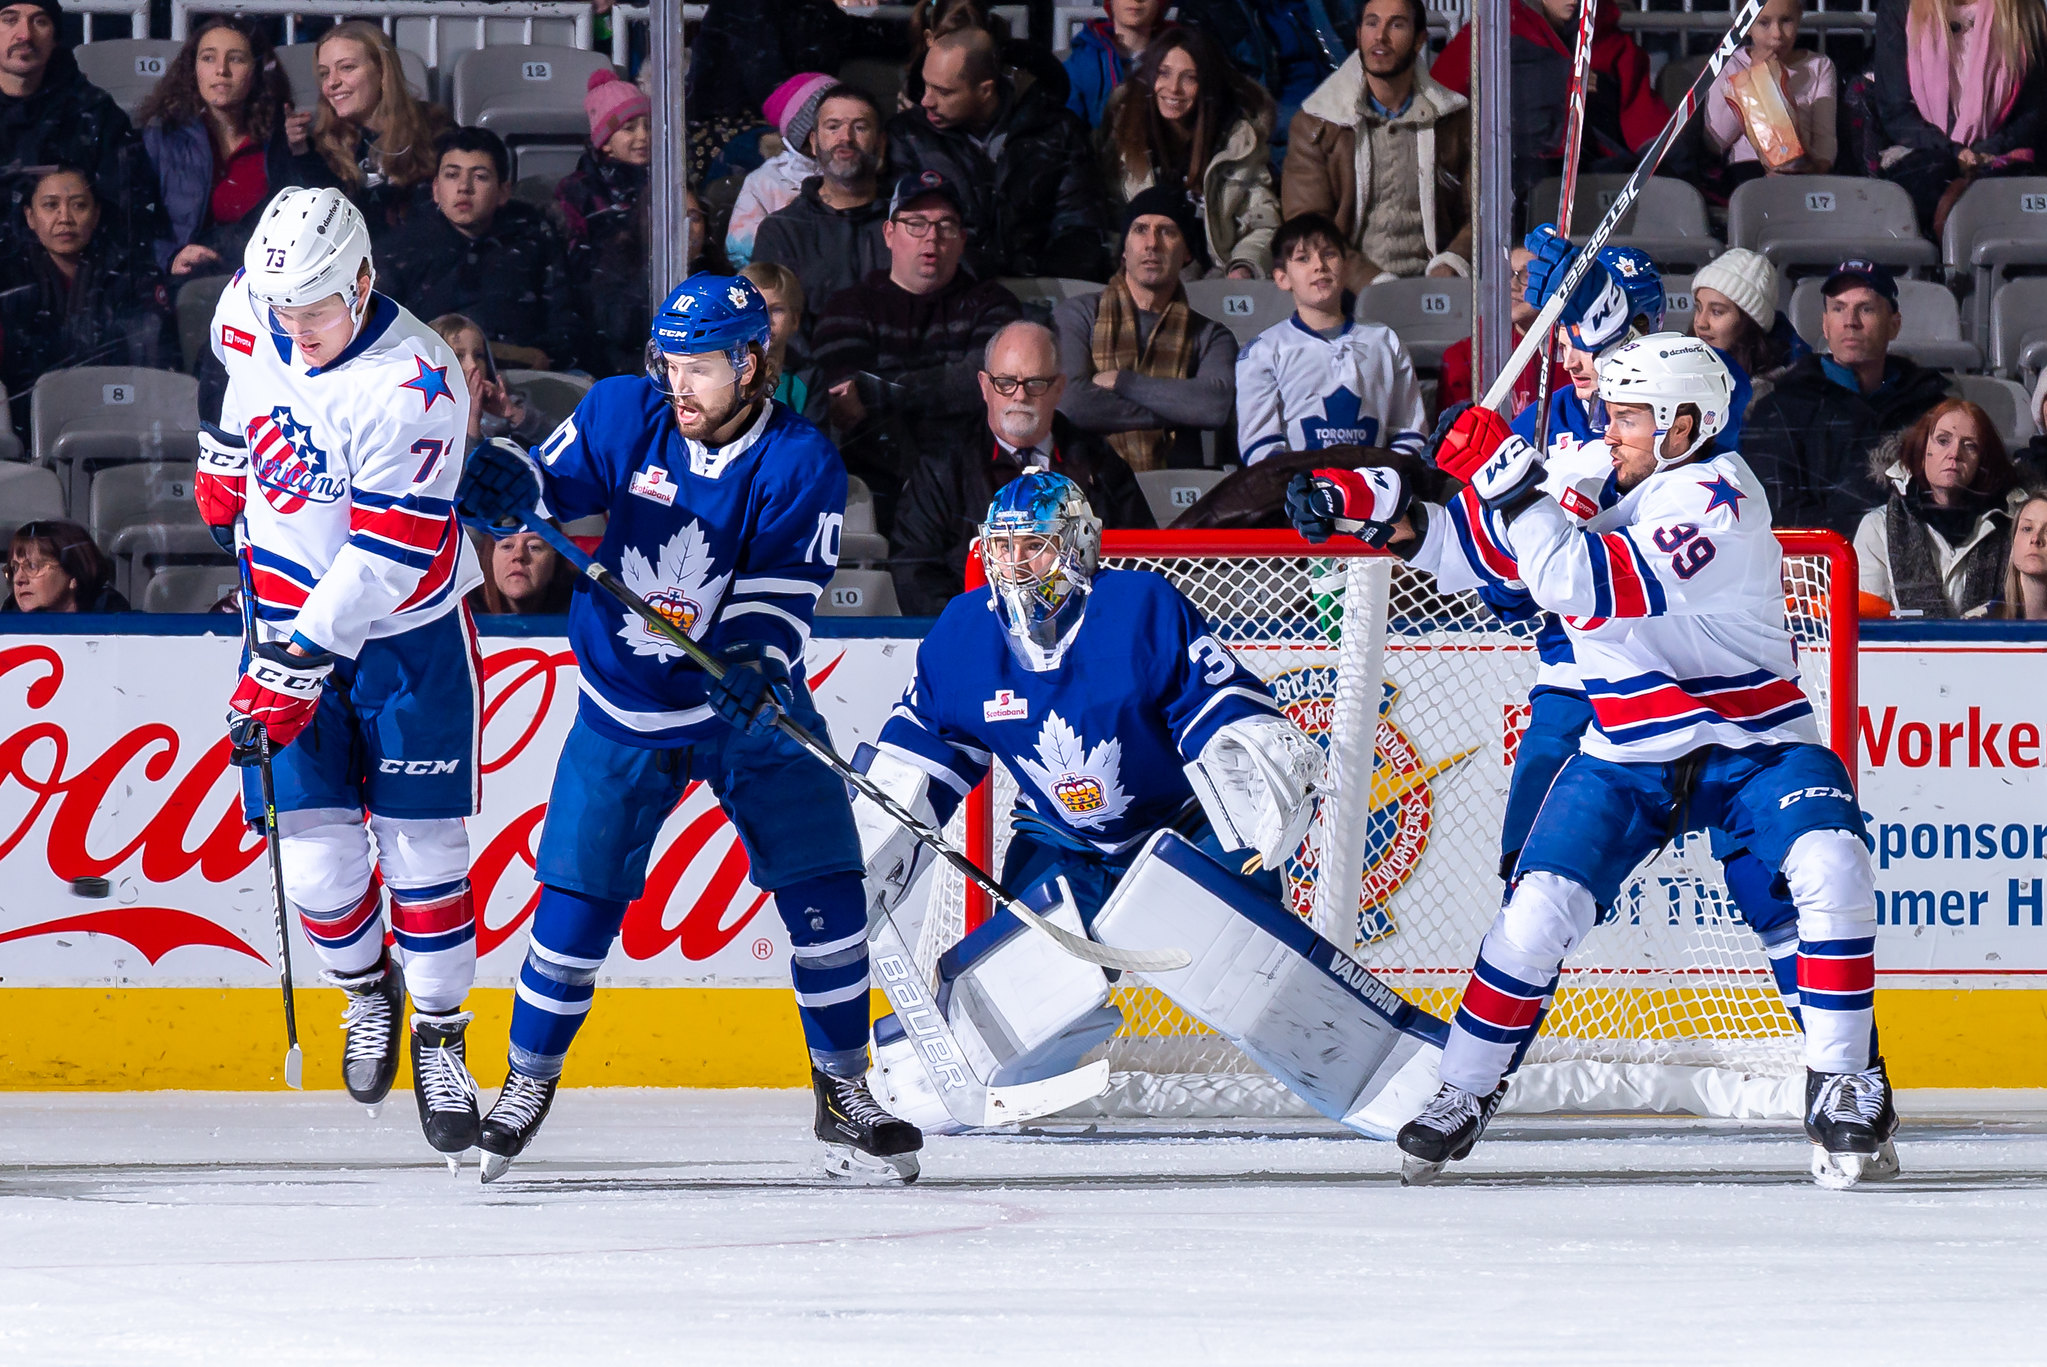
(1757, 94)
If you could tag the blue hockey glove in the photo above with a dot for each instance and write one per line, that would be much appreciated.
(753, 692)
(1553, 257)
(1363, 503)
(500, 487)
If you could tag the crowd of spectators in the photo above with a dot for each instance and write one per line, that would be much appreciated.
(1314, 144)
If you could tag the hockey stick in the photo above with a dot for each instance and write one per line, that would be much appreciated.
(1567, 191)
(1502, 387)
(1079, 946)
(294, 1060)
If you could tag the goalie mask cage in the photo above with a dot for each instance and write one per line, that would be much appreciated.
(1419, 698)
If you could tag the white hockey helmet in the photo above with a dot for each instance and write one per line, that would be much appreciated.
(310, 244)
(1663, 372)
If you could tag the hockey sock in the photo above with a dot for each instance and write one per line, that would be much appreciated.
(571, 935)
(1496, 1021)
(1771, 915)
(435, 930)
(327, 881)
(1830, 879)
(348, 941)
(827, 921)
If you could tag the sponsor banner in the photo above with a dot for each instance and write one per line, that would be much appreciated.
(113, 766)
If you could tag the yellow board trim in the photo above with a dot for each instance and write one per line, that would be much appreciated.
(214, 1039)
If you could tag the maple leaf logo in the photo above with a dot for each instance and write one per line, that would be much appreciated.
(681, 588)
(1086, 785)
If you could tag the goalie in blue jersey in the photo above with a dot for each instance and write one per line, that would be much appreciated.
(1150, 764)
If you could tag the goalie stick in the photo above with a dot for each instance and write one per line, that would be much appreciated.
(1502, 387)
(1079, 946)
(294, 1059)
(1567, 192)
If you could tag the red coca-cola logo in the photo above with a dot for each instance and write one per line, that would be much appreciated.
(198, 827)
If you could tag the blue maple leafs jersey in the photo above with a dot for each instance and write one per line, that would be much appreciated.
(1097, 743)
(733, 544)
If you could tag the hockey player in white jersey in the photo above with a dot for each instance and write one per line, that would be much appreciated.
(1144, 751)
(1322, 378)
(1673, 599)
(337, 450)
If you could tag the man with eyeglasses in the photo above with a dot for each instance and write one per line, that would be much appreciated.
(899, 351)
(1021, 386)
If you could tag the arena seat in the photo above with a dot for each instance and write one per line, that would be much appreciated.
(860, 593)
(859, 505)
(2006, 401)
(458, 36)
(141, 551)
(1040, 294)
(197, 298)
(188, 588)
(126, 68)
(1932, 331)
(1668, 221)
(2018, 328)
(86, 418)
(148, 491)
(1999, 222)
(1430, 315)
(301, 67)
(1245, 307)
(867, 550)
(525, 91)
(1171, 492)
(1677, 76)
(1820, 220)
(28, 493)
(10, 445)
(1677, 303)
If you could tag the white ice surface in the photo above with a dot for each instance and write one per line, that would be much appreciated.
(691, 1227)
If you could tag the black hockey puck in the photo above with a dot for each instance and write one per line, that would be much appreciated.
(91, 887)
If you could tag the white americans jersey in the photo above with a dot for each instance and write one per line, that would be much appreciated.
(1299, 391)
(1096, 743)
(733, 544)
(1673, 599)
(352, 474)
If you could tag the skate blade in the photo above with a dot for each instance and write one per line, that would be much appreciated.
(844, 1163)
(373, 1109)
(1419, 1172)
(1841, 1171)
(494, 1165)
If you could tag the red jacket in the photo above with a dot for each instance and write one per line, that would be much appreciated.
(1453, 384)
(1622, 110)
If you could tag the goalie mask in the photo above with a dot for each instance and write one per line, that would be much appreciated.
(1664, 372)
(1039, 545)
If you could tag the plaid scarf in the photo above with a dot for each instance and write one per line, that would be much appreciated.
(1169, 355)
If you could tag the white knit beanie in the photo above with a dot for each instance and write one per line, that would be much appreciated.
(1747, 279)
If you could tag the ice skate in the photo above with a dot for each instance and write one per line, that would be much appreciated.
(1850, 1120)
(441, 1083)
(369, 1058)
(1444, 1132)
(513, 1121)
(863, 1142)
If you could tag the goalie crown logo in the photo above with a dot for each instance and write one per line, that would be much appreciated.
(678, 584)
(1084, 783)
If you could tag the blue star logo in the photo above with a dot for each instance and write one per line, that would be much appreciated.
(431, 383)
(1724, 494)
(1340, 424)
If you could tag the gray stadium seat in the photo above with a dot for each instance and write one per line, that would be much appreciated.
(188, 588)
(197, 298)
(1668, 221)
(553, 392)
(28, 493)
(2006, 401)
(878, 77)
(546, 161)
(2018, 328)
(859, 505)
(1170, 493)
(1430, 315)
(128, 495)
(525, 91)
(863, 550)
(10, 445)
(301, 67)
(1998, 223)
(458, 36)
(1245, 307)
(860, 593)
(1040, 294)
(89, 417)
(141, 551)
(126, 68)
(1676, 78)
(1932, 332)
(1677, 303)
(1819, 220)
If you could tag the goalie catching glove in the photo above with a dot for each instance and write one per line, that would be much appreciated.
(1256, 781)
(1364, 503)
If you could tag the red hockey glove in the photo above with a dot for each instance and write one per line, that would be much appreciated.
(222, 484)
(277, 696)
(1483, 451)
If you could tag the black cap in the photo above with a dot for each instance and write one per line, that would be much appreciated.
(917, 184)
(49, 7)
(1166, 201)
(1860, 272)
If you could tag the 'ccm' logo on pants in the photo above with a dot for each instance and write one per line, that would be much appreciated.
(418, 766)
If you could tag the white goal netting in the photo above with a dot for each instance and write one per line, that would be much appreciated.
(1420, 698)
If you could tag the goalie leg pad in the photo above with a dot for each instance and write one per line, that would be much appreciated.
(1308, 1013)
(1024, 1009)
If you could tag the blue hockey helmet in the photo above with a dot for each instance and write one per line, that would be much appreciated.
(1039, 547)
(1641, 288)
(707, 313)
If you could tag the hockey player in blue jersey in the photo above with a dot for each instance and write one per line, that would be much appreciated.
(1122, 716)
(724, 513)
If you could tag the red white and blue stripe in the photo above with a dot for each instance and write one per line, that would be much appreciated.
(1623, 585)
(335, 933)
(434, 929)
(1654, 704)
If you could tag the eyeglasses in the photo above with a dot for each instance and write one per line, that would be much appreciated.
(921, 228)
(1034, 385)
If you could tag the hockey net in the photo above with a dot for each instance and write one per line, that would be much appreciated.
(1419, 698)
